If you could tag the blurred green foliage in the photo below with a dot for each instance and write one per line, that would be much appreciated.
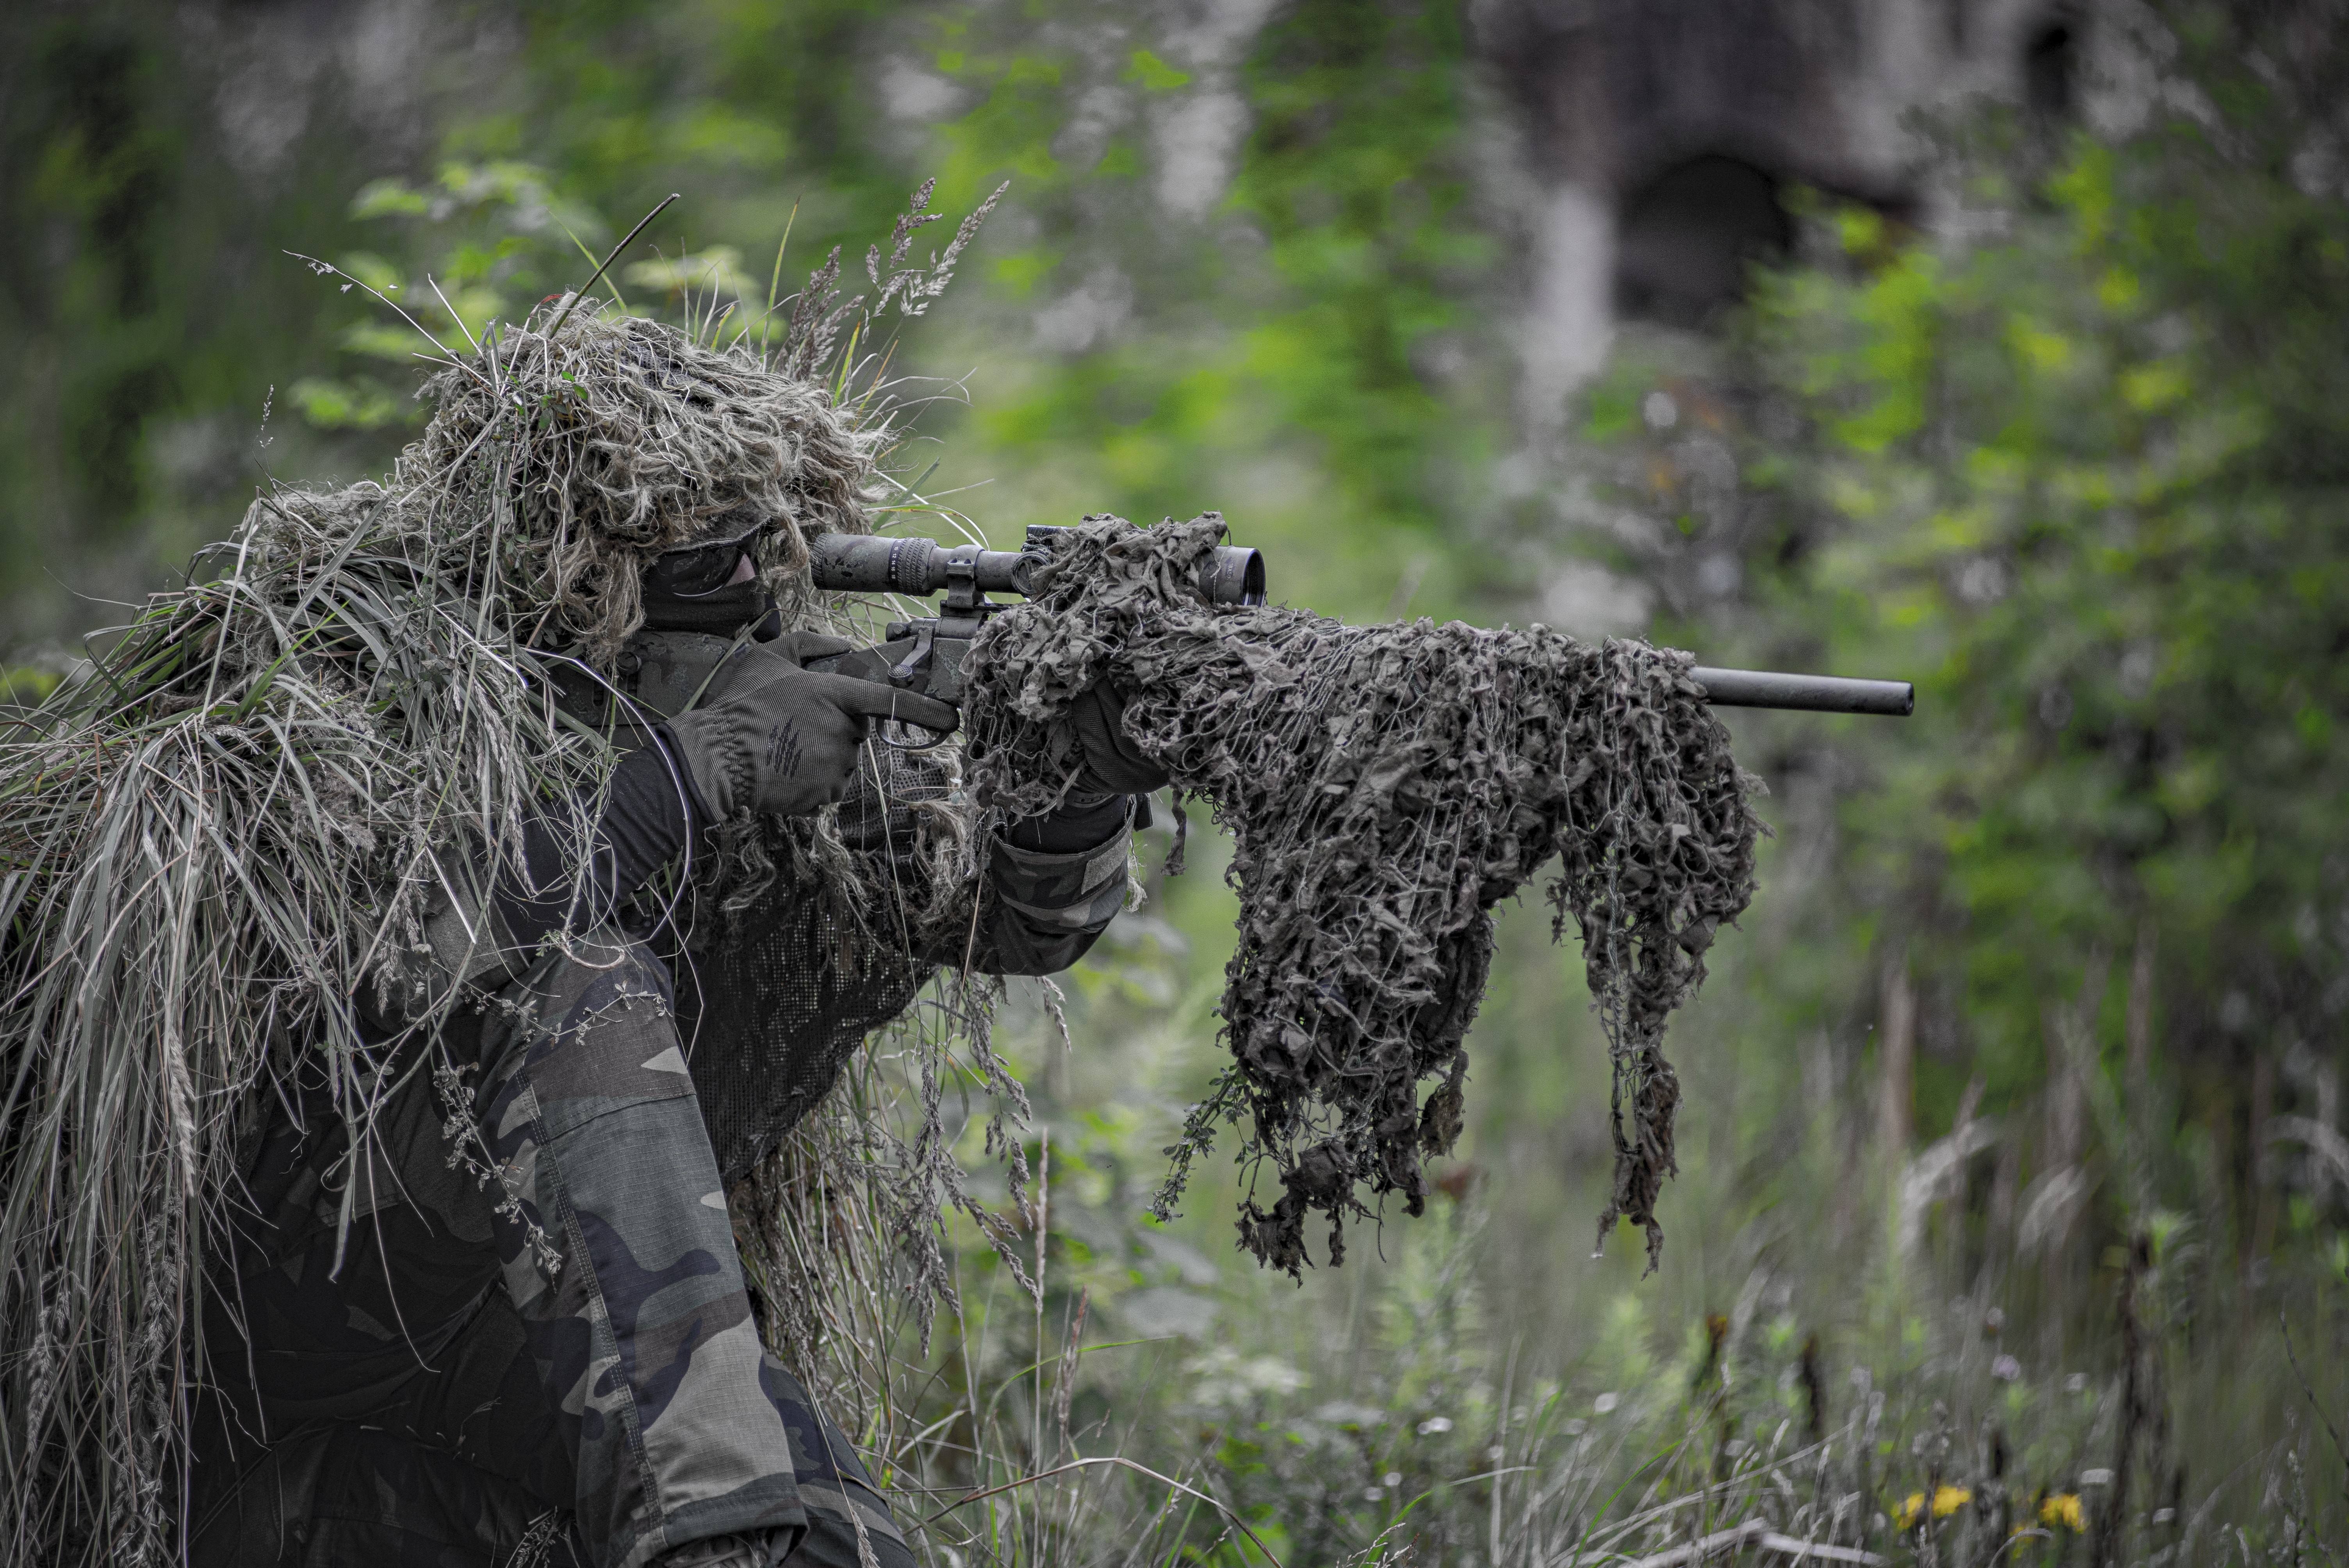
(2088, 484)
(2084, 484)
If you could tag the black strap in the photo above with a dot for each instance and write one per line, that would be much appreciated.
(1083, 823)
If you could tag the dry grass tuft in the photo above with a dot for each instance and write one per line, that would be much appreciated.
(219, 843)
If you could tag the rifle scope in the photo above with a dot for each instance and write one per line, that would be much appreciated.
(869, 563)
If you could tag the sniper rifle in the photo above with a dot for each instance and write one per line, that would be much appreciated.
(926, 655)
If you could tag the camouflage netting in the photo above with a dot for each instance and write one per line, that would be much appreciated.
(1387, 786)
(233, 827)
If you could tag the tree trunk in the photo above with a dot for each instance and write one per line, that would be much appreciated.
(1896, 1063)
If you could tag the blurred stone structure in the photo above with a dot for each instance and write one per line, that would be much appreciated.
(1662, 136)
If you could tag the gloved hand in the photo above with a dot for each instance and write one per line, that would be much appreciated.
(769, 736)
(1113, 764)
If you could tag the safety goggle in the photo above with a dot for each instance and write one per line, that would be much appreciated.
(692, 571)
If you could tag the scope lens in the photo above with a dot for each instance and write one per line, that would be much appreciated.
(1233, 576)
(1252, 579)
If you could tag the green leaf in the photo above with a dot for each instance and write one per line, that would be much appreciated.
(387, 199)
(1154, 74)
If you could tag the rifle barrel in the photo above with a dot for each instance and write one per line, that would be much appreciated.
(1817, 694)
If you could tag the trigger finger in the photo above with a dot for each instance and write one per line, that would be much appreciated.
(878, 701)
(805, 646)
(928, 712)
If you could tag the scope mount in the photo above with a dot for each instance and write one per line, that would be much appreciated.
(962, 615)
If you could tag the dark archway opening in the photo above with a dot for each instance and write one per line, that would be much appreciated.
(1687, 236)
(2050, 66)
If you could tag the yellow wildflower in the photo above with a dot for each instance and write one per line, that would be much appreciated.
(2063, 1508)
(1947, 1500)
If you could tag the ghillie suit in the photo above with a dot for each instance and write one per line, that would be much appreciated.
(231, 854)
(228, 852)
(1386, 787)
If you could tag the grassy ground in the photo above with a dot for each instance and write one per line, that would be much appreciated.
(1476, 1388)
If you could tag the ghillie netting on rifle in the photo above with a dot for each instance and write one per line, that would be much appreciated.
(223, 842)
(1387, 786)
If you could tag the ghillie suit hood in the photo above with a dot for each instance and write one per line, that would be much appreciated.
(1386, 786)
(639, 441)
(222, 844)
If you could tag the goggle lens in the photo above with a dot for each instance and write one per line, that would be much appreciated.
(699, 568)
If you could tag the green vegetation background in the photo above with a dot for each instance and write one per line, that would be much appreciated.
(2040, 1004)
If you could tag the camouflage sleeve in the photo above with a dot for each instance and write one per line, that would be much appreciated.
(1046, 886)
(1042, 911)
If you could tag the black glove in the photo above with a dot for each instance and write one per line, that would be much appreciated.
(1111, 792)
(769, 736)
(1113, 764)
